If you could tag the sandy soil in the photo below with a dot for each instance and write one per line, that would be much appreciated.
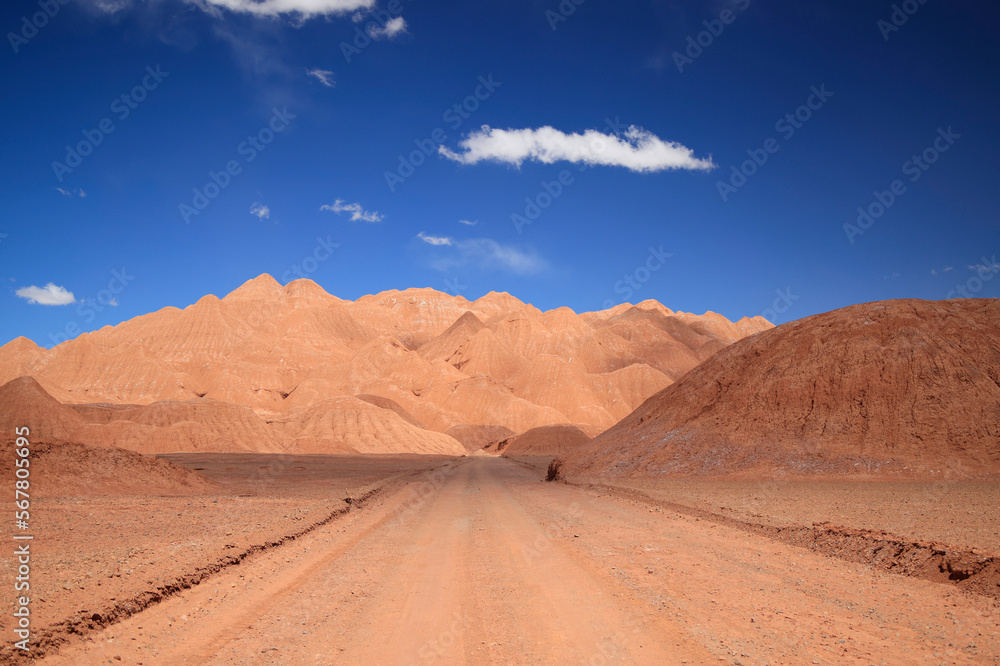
(482, 563)
(960, 513)
(98, 558)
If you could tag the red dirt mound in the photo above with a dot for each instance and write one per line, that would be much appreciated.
(78, 470)
(553, 440)
(24, 403)
(906, 387)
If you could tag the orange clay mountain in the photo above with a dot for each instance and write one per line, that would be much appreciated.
(64, 468)
(272, 368)
(894, 388)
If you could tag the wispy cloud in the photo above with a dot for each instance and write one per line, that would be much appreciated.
(71, 192)
(989, 265)
(50, 294)
(260, 210)
(434, 240)
(112, 6)
(272, 8)
(324, 76)
(355, 209)
(488, 254)
(393, 28)
(469, 223)
(638, 150)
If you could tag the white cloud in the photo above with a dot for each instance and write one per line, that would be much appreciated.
(393, 27)
(324, 76)
(990, 265)
(260, 210)
(50, 294)
(69, 193)
(933, 271)
(638, 150)
(467, 222)
(948, 268)
(271, 8)
(434, 240)
(113, 302)
(487, 254)
(355, 209)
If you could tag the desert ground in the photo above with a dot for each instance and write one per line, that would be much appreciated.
(414, 560)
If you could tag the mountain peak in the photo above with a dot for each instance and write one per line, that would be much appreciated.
(21, 345)
(467, 320)
(653, 304)
(262, 287)
(500, 298)
(25, 386)
(310, 291)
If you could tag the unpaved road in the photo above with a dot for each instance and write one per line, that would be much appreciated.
(486, 564)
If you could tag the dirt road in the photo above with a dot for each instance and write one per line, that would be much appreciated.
(483, 563)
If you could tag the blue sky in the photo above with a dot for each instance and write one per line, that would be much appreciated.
(329, 120)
